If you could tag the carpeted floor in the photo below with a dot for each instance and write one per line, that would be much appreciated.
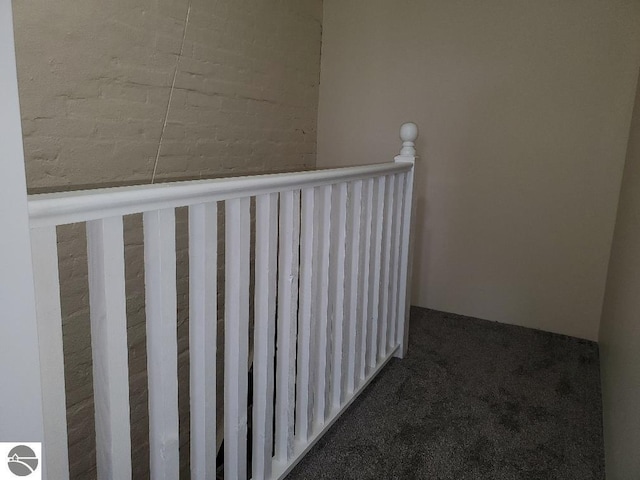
(472, 400)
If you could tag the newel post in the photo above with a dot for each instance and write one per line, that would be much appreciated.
(408, 134)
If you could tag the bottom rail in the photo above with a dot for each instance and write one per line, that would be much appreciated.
(281, 469)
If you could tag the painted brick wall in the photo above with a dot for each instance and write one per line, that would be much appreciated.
(95, 80)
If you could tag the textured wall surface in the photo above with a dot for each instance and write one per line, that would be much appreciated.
(524, 110)
(95, 81)
(620, 327)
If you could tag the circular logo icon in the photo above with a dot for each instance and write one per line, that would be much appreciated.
(22, 461)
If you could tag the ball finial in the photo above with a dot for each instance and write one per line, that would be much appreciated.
(408, 134)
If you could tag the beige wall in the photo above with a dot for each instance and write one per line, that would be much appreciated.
(620, 327)
(524, 110)
(94, 79)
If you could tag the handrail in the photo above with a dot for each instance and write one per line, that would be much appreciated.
(50, 209)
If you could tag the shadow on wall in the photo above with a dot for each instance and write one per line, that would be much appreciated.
(420, 247)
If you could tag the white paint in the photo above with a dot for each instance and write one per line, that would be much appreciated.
(363, 284)
(21, 417)
(79, 206)
(162, 349)
(44, 250)
(375, 272)
(236, 337)
(352, 261)
(336, 298)
(394, 261)
(287, 323)
(385, 277)
(264, 333)
(108, 314)
(321, 310)
(203, 326)
(342, 304)
(406, 255)
(303, 397)
(408, 134)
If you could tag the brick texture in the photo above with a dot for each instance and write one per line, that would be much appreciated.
(95, 80)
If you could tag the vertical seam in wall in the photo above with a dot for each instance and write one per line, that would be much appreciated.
(615, 222)
(173, 83)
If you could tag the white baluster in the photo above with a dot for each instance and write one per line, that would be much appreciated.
(264, 333)
(399, 180)
(364, 282)
(44, 253)
(236, 346)
(287, 323)
(203, 325)
(352, 261)
(321, 311)
(162, 356)
(305, 322)
(108, 313)
(386, 260)
(336, 302)
(375, 272)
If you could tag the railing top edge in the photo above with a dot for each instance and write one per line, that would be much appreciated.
(50, 209)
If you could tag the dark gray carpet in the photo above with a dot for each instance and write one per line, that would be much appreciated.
(472, 400)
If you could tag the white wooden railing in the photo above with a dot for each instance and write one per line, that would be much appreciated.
(331, 268)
